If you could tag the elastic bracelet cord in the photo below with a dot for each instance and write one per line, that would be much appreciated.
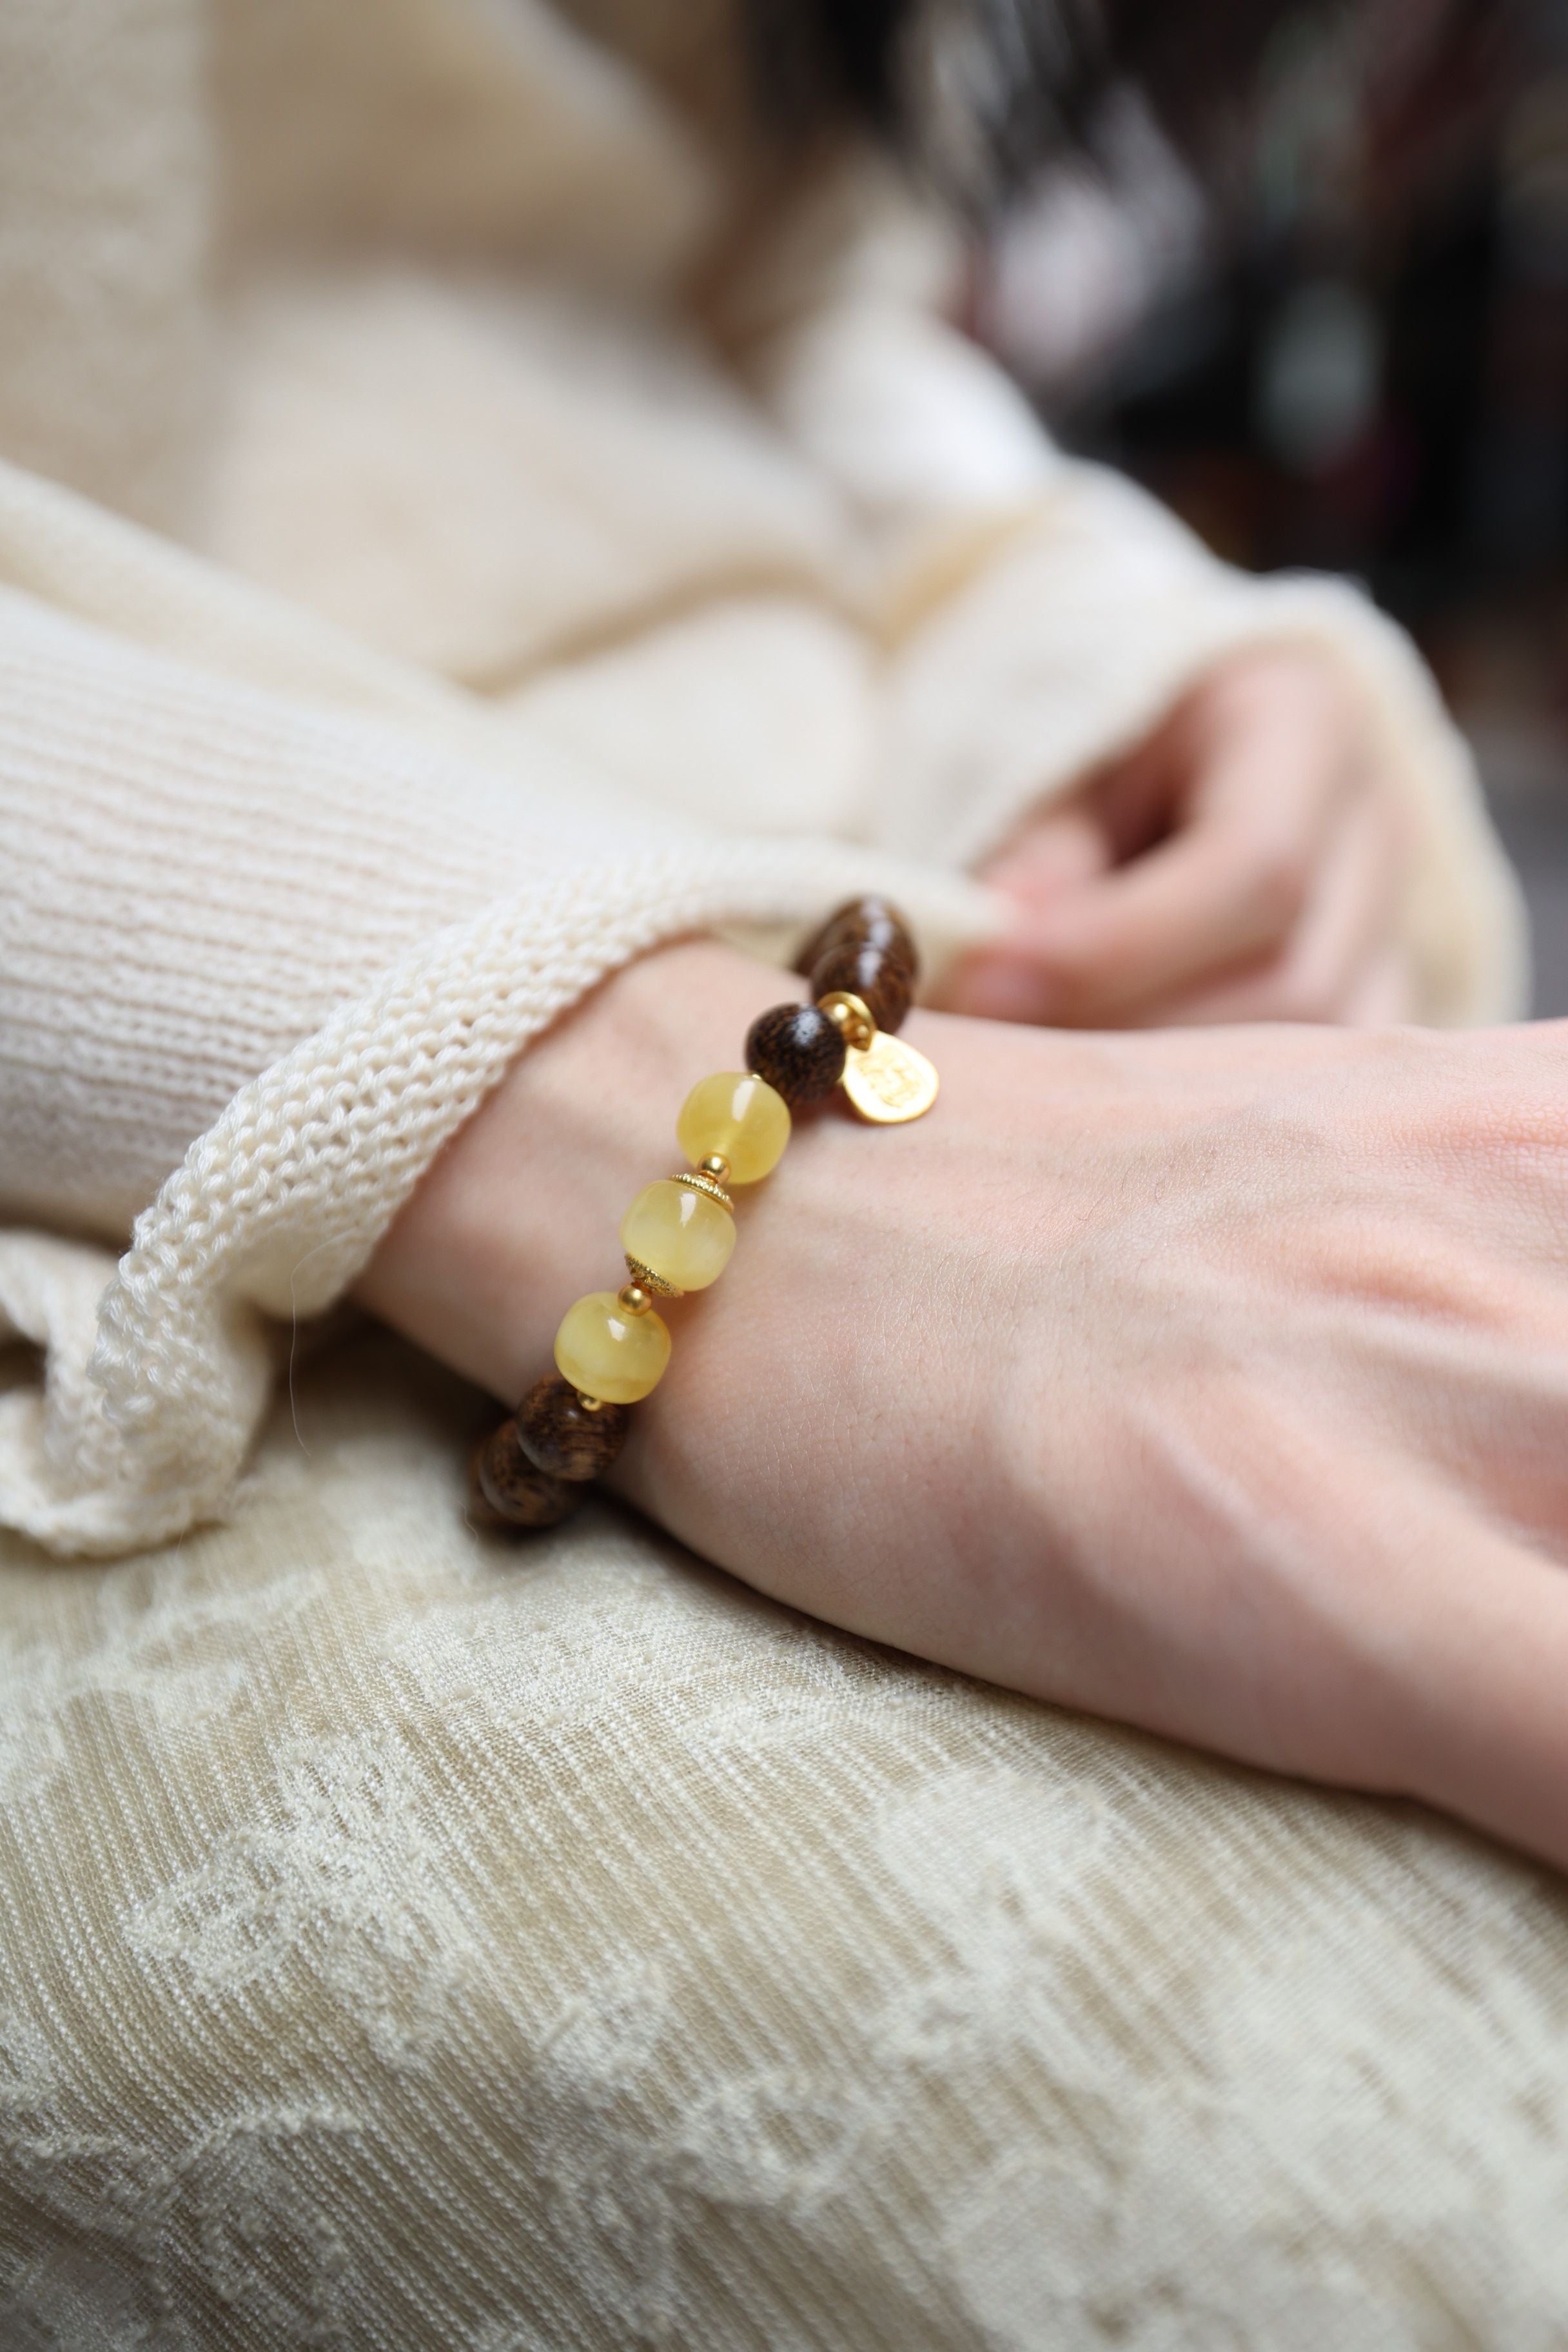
(613, 1347)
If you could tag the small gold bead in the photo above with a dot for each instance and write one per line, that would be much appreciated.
(645, 1278)
(635, 1298)
(716, 1166)
(588, 1403)
(851, 1015)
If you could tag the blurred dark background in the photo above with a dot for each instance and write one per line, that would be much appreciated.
(1351, 352)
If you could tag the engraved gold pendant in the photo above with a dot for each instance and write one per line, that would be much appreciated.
(889, 1082)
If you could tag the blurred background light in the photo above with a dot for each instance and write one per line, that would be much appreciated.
(1352, 351)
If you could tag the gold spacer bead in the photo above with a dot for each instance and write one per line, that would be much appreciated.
(696, 1182)
(588, 1403)
(716, 1166)
(851, 1015)
(635, 1298)
(645, 1278)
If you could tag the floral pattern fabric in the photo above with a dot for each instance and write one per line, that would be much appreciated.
(411, 1940)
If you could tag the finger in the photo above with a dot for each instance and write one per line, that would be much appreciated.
(1401, 1639)
(1452, 1634)
(1322, 972)
(1348, 917)
(1481, 1386)
(1479, 1721)
(1305, 1596)
(1001, 985)
(1056, 853)
(1386, 994)
(1231, 885)
(1138, 800)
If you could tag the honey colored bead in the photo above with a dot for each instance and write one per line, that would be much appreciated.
(507, 1487)
(798, 1050)
(610, 1354)
(680, 1236)
(740, 1116)
(560, 1435)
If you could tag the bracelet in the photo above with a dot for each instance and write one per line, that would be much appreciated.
(612, 1348)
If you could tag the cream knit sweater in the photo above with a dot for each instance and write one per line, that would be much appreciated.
(415, 601)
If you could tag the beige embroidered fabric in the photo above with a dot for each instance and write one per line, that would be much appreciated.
(410, 1944)
(462, 521)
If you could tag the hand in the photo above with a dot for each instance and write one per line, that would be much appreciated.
(1244, 864)
(1216, 1381)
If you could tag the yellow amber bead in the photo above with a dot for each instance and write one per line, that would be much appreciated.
(738, 1116)
(607, 1353)
(680, 1236)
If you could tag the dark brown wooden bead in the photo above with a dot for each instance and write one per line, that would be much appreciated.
(798, 1050)
(879, 976)
(864, 922)
(482, 1512)
(514, 1488)
(562, 1437)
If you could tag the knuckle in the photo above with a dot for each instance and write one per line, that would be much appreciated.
(1079, 970)
(1276, 884)
(1307, 997)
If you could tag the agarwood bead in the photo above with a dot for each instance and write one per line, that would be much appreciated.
(879, 976)
(863, 922)
(562, 1437)
(798, 1050)
(514, 1488)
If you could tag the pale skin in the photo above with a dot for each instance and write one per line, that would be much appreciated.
(1211, 1379)
(1242, 864)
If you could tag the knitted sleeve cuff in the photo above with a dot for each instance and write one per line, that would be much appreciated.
(156, 1372)
(289, 902)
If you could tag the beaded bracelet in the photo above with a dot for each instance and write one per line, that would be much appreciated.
(612, 1348)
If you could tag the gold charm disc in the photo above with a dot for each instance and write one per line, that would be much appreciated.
(889, 1082)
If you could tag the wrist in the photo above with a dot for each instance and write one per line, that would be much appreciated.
(519, 1214)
